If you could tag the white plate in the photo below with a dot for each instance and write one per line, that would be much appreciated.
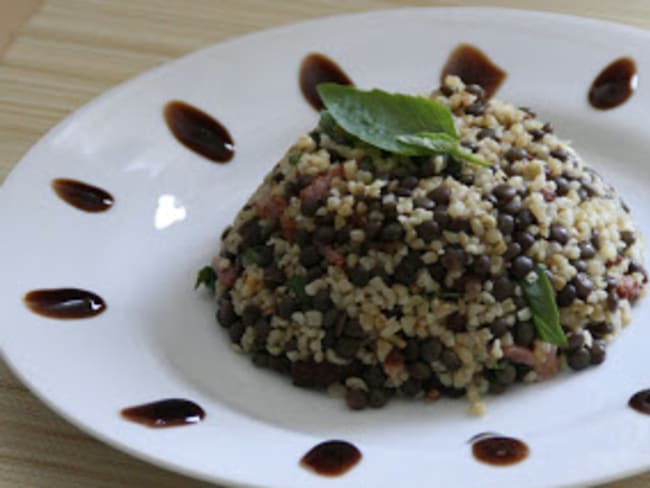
(158, 338)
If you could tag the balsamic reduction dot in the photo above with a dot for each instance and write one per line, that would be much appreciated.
(331, 458)
(199, 132)
(473, 66)
(82, 195)
(499, 450)
(165, 413)
(614, 85)
(317, 68)
(64, 303)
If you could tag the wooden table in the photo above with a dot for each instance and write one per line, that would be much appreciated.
(69, 52)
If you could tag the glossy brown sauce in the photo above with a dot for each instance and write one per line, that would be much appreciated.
(199, 132)
(473, 66)
(499, 451)
(82, 195)
(317, 68)
(640, 401)
(331, 458)
(165, 413)
(64, 303)
(614, 85)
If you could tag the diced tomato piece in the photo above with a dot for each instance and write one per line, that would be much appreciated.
(332, 256)
(628, 287)
(227, 275)
(271, 207)
(521, 355)
(288, 228)
(317, 189)
(394, 362)
(548, 194)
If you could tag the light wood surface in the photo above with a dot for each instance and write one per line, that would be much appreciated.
(71, 51)
(13, 14)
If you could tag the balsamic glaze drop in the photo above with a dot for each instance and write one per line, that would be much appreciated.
(165, 413)
(614, 85)
(640, 401)
(82, 195)
(472, 66)
(317, 68)
(199, 132)
(64, 303)
(331, 458)
(499, 451)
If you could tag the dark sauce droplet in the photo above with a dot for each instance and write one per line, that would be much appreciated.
(82, 195)
(472, 66)
(317, 68)
(500, 451)
(165, 413)
(640, 401)
(65, 303)
(614, 85)
(199, 132)
(331, 458)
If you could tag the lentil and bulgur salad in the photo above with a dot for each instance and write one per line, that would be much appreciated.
(374, 274)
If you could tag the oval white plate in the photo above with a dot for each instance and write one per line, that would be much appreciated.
(158, 338)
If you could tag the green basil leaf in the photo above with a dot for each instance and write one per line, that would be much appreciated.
(549, 333)
(434, 142)
(379, 118)
(441, 143)
(541, 299)
(466, 155)
(206, 276)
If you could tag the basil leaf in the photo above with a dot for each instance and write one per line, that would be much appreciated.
(541, 300)
(549, 333)
(329, 126)
(441, 143)
(206, 276)
(379, 118)
(434, 142)
(466, 155)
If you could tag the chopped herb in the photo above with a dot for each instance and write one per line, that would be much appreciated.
(207, 276)
(541, 299)
(444, 294)
(448, 295)
(296, 284)
(401, 124)
(498, 365)
(294, 158)
(252, 255)
(366, 164)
